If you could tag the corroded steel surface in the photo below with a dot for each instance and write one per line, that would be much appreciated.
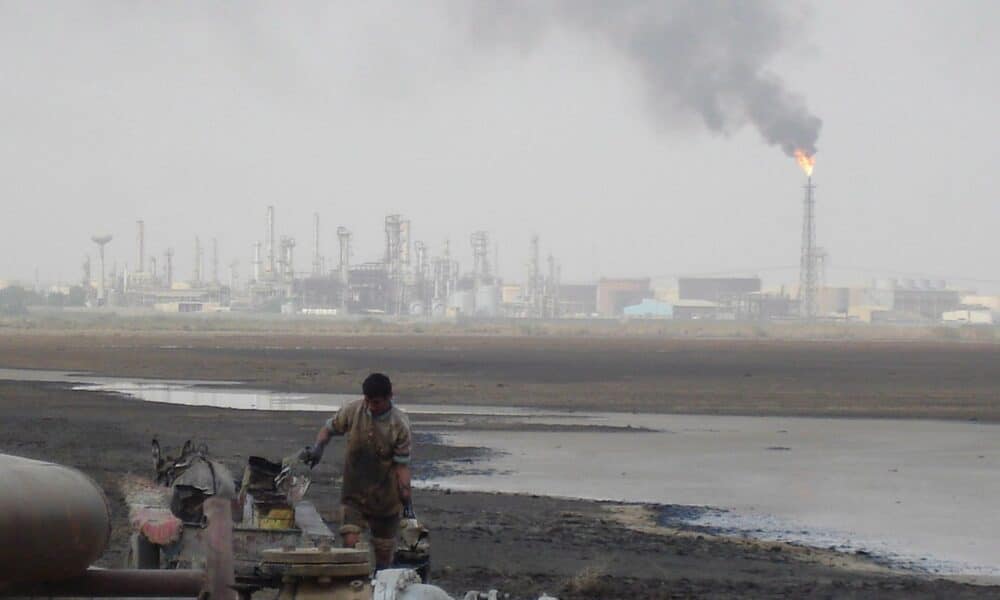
(219, 577)
(54, 521)
(123, 583)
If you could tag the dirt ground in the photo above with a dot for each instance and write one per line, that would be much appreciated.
(900, 379)
(520, 544)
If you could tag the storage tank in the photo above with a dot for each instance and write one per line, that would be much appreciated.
(488, 301)
(464, 302)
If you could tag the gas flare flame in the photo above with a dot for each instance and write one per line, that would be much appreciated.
(805, 161)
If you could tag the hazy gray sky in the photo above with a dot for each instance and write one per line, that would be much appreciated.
(194, 116)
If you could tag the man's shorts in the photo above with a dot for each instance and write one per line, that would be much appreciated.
(353, 520)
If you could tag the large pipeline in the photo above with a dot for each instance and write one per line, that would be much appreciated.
(117, 583)
(54, 521)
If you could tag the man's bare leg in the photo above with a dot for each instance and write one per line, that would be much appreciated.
(384, 550)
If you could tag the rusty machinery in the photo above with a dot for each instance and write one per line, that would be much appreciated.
(55, 522)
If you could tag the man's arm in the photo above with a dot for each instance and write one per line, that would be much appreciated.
(403, 481)
(323, 437)
(405, 494)
(311, 455)
(401, 456)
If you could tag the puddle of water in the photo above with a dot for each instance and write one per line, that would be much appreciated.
(230, 394)
(201, 395)
(921, 493)
(76, 377)
(188, 392)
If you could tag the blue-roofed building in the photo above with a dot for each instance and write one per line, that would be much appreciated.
(650, 308)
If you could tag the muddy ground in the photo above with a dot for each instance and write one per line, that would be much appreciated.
(900, 379)
(522, 545)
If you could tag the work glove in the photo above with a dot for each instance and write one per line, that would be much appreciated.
(311, 455)
(408, 510)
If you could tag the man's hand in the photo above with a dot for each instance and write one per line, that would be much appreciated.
(311, 455)
(408, 510)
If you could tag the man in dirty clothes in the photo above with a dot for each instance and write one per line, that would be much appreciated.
(376, 485)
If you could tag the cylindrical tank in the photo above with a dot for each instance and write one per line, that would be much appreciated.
(488, 301)
(54, 521)
(463, 301)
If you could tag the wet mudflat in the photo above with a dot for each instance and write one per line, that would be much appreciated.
(916, 493)
(519, 543)
(911, 493)
(522, 544)
(902, 379)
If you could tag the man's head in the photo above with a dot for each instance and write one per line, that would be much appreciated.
(378, 393)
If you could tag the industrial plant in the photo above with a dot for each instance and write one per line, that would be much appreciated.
(409, 280)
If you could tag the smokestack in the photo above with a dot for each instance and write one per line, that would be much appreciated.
(534, 292)
(420, 269)
(480, 263)
(451, 270)
(808, 279)
(197, 260)
(170, 268)
(256, 261)
(394, 255)
(496, 261)
(392, 240)
(555, 291)
(270, 241)
(140, 242)
(404, 242)
(344, 237)
(215, 261)
(286, 261)
(317, 259)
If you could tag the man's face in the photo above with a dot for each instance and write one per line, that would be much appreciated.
(378, 405)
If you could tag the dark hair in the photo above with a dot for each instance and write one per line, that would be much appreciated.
(377, 385)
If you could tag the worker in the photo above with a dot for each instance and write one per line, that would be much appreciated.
(376, 488)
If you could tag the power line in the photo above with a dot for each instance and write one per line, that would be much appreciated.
(915, 275)
(728, 272)
(873, 270)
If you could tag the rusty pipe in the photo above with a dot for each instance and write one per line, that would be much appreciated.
(123, 583)
(54, 521)
(219, 573)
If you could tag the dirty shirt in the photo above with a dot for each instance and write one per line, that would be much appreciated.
(374, 446)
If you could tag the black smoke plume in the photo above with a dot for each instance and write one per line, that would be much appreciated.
(708, 57)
